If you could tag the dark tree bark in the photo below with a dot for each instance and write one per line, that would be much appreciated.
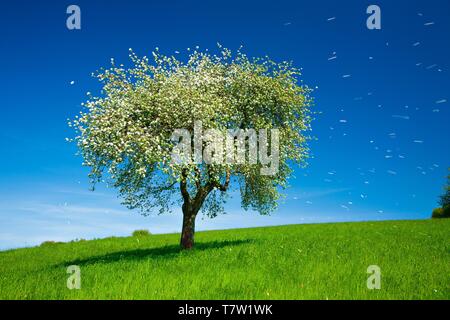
(190, 209)
(188, 230)
(191, 206)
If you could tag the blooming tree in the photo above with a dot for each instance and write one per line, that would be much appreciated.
(126, 134)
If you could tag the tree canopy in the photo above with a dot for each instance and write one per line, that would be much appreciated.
(125, 134)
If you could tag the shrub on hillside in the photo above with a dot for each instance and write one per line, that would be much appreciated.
(446, 212)
(141, 233)
(441, 212)
(49, 243)
(78, 240)
(437, 213)
(445, 198)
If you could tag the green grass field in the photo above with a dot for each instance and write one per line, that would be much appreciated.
(320, 261)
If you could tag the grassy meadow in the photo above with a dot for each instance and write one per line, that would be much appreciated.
(317, 261)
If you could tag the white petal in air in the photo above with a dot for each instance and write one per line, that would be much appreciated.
(400, 117)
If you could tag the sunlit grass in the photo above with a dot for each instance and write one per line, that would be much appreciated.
(322, 261)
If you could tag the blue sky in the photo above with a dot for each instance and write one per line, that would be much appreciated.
(381, 150)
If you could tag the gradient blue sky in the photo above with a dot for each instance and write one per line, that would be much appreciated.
(366, 168)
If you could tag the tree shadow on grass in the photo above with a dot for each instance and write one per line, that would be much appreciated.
(165, 252)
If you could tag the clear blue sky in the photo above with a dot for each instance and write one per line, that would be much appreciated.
(382, 150)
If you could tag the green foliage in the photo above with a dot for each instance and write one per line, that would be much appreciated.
(322, 261)
(437, 213)
(445, 198)
(124, 135)
(49, 243)
(444, 211)
(441, 212)
(141, 233)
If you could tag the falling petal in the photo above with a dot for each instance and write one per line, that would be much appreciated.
(400, 117)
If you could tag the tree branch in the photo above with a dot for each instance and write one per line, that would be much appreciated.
(224, 187)
(198, 179)
(202, 191)
(163, 188)
(183, 187)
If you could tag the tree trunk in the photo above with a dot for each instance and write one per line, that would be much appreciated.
(187, 233)
(192, 206)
